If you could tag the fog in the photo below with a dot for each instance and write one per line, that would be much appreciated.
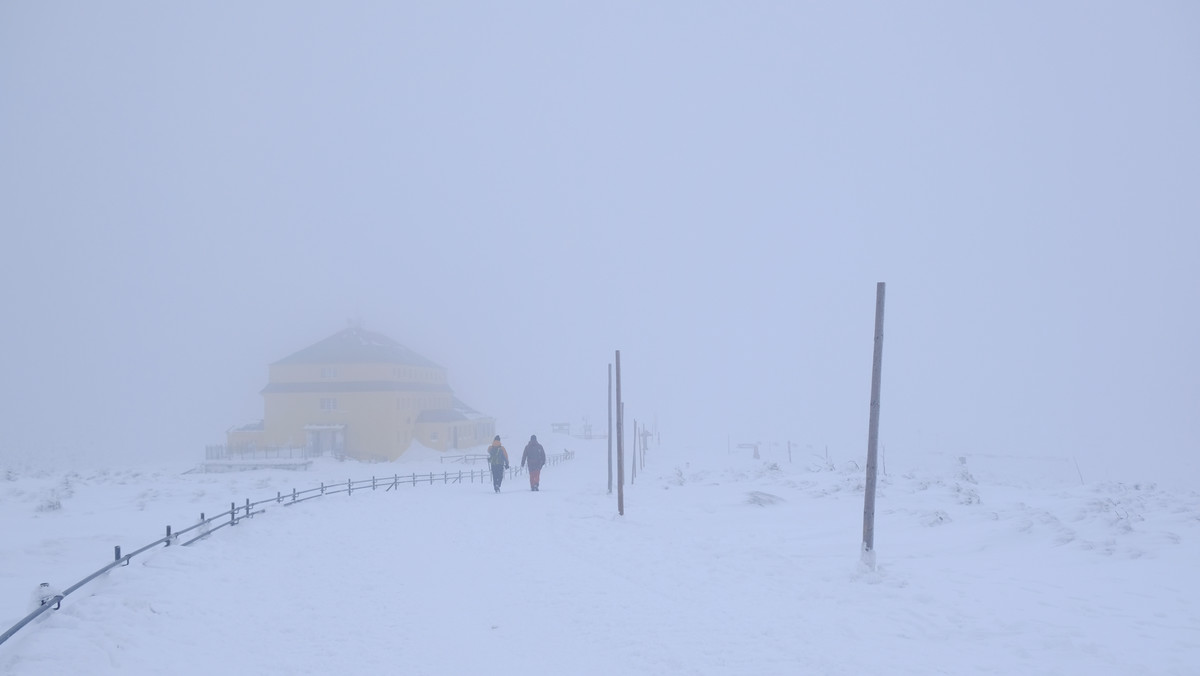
(191, 192)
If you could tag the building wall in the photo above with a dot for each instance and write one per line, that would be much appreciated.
(379, 425)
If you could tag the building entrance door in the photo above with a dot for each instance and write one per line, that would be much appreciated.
(326, 440)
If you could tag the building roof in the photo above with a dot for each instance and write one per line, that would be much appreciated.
(356, 345)
(456, 413)
(339, 386)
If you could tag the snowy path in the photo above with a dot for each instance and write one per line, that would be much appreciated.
(720, 567)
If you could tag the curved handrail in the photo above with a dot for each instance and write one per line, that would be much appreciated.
(248, 510)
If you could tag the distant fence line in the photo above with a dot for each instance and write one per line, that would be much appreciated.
(224, 452)
(238, 513)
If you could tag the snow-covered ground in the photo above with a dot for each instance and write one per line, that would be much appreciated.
(722, 564)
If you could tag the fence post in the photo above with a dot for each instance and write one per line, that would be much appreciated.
(117, 553)
(372, 482)
(247, 508)
(349, 487)
(233, 514)
(168, 536)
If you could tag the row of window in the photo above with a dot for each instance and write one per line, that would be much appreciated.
(421, 402)
(331, 403)
(399, 373)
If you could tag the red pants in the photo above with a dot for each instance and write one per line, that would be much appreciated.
(535, 477)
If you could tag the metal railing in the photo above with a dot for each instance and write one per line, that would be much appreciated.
(237, 513)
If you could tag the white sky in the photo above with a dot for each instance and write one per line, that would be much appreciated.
(188, 193)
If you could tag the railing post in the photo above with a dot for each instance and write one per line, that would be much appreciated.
(247, 508)
(168, 536)
(349, 487)
(117, 553)
(322, 488)
(233, 514)
(278, 497)
(372, 482)
(293, 494)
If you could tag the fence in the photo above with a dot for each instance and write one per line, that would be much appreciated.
(237, 513)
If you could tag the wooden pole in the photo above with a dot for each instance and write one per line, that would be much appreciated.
(610, 428)
(642, 441)
(633, 467)
(868, 546)
(620, 443)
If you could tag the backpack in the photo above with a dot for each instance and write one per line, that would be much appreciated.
(495, 455)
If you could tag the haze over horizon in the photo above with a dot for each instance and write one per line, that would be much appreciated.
(190, 193)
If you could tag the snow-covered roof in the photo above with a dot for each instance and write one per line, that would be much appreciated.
(356, 345)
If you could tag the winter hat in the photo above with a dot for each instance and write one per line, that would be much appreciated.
(497, 438)
(533, 437)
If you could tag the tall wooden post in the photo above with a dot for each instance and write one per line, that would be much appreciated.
(620, 443)
(642, 446)
(633, 468)
(868, 546)
(610, 428)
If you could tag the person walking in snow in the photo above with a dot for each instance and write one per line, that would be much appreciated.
(535, 455)
(498, 460)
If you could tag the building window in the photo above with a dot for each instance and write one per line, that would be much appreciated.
(433, 436)
(329, 372)
(328, 404)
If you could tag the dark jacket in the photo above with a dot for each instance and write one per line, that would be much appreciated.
(534, 454)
